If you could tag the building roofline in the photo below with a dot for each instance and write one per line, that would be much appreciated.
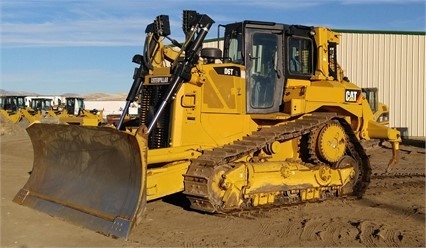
(359, 31)
(356, 31)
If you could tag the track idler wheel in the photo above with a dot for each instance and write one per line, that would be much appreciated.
(348, 162)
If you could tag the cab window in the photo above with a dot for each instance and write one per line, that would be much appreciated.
(300, 56)
(263, 72)
(235, 49)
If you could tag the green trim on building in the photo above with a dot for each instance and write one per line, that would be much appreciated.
(212, 39)
(355, 31)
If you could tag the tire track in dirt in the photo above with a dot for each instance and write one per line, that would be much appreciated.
(339, 232)
(333, 232)
(311, 229)
(411, 161)
(384, 189)
(372, 234)
(291, 229)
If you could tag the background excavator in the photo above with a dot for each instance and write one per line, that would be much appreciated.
(271, 121)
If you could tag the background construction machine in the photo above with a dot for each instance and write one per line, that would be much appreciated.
(380, 110)
(269, 122)
(39, 107)
(74, 113)
(11, 107)
(71, 111)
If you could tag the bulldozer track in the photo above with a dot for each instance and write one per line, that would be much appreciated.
(198, 179)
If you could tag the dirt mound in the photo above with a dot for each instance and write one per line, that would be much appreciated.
(9, 128)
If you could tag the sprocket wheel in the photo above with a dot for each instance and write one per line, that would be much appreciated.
(331, 142)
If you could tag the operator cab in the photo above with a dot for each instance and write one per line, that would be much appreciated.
(74, 105)
(13, 103)
(2, 102)
(271, 53)
(41, 104)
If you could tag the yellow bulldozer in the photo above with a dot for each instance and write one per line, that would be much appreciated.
(267, 120)
(380, 110)
(74, 112)
(10, 107)
(40, 107)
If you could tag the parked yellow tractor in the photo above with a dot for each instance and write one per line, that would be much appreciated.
(380, 110)
(10, 107)
(268, 122)
(40, 107)
(75, 113)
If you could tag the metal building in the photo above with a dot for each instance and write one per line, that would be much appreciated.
(393, 62)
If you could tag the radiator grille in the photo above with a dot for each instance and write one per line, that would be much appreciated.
(150, 98)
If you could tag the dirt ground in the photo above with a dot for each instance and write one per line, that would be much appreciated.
(392, 213)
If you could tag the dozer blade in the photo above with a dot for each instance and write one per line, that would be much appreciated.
(91, 176)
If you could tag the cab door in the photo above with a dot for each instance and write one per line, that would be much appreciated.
(264, 68)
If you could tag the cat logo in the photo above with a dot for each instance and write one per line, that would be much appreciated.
(352, 95)
(159, 80)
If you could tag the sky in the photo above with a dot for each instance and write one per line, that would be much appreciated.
(82, 47)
